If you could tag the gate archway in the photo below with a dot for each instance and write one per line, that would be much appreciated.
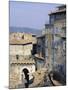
(26, 76)
(25, 70)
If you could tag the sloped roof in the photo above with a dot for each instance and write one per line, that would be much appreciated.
(23, 42)
(39, 57)
(57, 11)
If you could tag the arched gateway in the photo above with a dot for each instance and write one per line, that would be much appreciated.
(26, 77)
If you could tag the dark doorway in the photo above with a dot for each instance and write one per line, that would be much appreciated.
(25, 70)
(34, 50)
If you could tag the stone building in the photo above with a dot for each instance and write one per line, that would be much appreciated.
(55, 38)
(58, 19)
(21, 46)
(40, 52)
(17, 66)
(31, 53)
(21, 43)
(49, 45)
(44, 45)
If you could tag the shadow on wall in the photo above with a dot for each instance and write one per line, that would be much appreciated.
(34, 49)
(57, 75)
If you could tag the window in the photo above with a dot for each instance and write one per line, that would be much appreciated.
(23, 37)
(52, 19)
(17, 57)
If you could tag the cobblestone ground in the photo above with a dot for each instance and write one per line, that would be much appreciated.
(41, 79)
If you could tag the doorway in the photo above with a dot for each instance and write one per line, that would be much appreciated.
(26, 71)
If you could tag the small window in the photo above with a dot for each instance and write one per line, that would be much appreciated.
(17, 57)
(23, 37)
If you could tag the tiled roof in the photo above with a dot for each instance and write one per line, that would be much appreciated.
(57, 11)
(21, 38)
(15, 41)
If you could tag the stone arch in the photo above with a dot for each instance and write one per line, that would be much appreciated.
(25, 70)
(25, 67)
(22, 73)
(26, 75)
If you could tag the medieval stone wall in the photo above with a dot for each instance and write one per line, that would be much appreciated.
(21, 49)
(16, 74)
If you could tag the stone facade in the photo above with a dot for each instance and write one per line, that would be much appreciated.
(21, 49)
(55, 38)
(16, 71)
(21, 46)
(58, 19)
(55, 41)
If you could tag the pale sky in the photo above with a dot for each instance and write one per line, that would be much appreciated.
(27, 14)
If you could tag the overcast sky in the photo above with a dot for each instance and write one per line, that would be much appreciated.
(27, 14)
